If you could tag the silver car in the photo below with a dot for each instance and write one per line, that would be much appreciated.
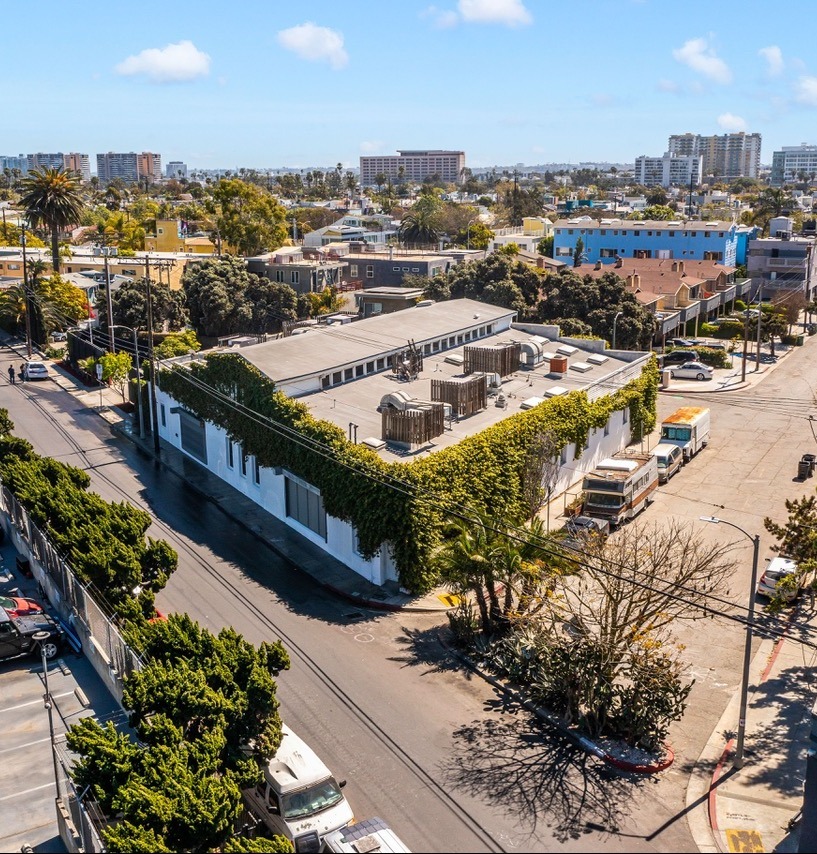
(692, 371)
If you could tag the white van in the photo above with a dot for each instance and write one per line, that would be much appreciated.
(370, 835)
(299, 798)
(669, 458)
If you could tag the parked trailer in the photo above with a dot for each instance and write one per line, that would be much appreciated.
(620, 487)
(688, 428)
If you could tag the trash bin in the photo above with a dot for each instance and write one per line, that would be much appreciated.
(800, 340)
(811, 459)
(803, 470)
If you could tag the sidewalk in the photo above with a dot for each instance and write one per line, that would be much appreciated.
(728, 810)
(288, 544)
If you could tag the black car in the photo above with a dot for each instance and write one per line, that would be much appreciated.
(17, 635)
(678, 357)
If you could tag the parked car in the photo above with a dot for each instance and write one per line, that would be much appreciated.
(35, 370)
(669, 459)
(17, 606)
(676, 357)
(17, 635)
(584, 525)
(778, 569)
(59, 336)
(692, 371)
(683, 342)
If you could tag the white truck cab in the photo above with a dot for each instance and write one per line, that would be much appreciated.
(298, 797)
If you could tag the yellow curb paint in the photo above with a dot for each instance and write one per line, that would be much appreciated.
(744, 841)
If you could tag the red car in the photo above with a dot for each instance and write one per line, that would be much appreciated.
(15, 606)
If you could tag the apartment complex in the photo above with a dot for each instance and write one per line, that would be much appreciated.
(79, 163)
(413, 166)
(609, 239)
(669, 169)
(783, 261)
(726, 156)
(129, 167)
(794, 163)
(24, 163)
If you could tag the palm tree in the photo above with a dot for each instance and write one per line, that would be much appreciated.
(52, 199)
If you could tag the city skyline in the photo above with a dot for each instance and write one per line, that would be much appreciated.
(504, 80)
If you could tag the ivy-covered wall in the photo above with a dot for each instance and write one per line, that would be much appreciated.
(405, 504)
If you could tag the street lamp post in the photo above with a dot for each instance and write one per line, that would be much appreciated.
(739, 758)
(138, 375)
(25, 288)
(42, 638)
(615, 320)
(468, 233)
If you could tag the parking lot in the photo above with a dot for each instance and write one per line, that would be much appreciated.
(27, 784)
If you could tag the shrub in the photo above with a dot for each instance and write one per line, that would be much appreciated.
(730, 329)
(715, 358)
(740, 305)
(708, 329)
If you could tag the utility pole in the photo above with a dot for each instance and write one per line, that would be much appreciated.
(25, 288)
(759, 318)
(109, 301)
(154, 421)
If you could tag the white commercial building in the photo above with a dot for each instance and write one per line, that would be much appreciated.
(725, 156)
(344, 373)
(414, 166)
(794, 163)
(669, 170)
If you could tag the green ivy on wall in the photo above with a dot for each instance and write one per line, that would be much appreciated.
(403, 504)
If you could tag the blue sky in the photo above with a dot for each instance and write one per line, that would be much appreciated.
(266, 84)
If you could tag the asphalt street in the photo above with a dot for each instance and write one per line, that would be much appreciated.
(441, 756)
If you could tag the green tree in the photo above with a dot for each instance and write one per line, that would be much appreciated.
(659, 212)
(272, 304)
(545, 246)
(116, 368)
(177, 344)
(129, 303)
(52, 199)
(578, 253)
(422, 224)
(656, 196)
(248, 218)
(215, 296)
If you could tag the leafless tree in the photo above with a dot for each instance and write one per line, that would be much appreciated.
(540, 473)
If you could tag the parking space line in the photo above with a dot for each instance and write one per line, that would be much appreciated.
(27, 791)
(34, 702)
(23, 746)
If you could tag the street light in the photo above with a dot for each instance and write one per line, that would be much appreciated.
(738, 760)
(42, 638)
(138, 375)
(615, 320)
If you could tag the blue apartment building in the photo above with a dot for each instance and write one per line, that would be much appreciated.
(605, 240)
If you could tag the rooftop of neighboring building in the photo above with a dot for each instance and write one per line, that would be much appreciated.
(645, 224)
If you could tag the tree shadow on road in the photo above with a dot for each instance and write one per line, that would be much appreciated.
(427, 648)
(538, 777)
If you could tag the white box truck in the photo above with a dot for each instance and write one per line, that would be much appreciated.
(688, 428)
(298, 797)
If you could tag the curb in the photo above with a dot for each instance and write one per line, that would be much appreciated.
(582, 741)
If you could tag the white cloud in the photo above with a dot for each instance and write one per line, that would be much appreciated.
(700, 57)
(370, 146)
(731, 123)
(512, 13)
(806, 90)
(316, 44)
(174, 63)
(443, 19)
(774, 59)
(665, 85)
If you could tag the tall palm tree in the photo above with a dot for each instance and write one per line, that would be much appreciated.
(52, 199)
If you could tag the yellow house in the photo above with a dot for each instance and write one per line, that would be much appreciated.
(171, 237)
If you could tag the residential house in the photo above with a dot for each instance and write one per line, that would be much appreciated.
(290, 266)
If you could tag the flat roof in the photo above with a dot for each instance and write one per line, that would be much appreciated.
(325, 349)
(356, 402)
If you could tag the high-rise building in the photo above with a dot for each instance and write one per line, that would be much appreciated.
(46, 161)
(794, 163)
(149, 165)
(726, 156)
(176, 169)
(10, 161)
(78, 163)
(129, 167)
(671, 169)
(413, 166)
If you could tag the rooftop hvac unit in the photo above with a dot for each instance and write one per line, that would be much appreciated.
(530, 402)
(555, 391)
(566, 349)
(455, 359)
